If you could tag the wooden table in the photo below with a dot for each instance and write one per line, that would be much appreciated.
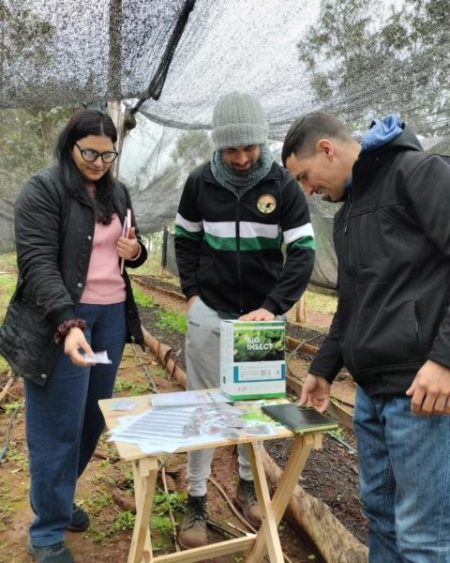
(145, 471)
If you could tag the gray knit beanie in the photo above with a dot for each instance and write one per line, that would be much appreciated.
(238, 119)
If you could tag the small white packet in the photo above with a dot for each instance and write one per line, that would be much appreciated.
(124, 405)
(97, 358)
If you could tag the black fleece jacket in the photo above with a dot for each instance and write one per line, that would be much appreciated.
(392, 239)
(54, 234)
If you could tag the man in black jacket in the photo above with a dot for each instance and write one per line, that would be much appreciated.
(392, 326)
(235, 212)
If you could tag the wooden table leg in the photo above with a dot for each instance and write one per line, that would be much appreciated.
(268, 531)
(275, 509)
(145, 472)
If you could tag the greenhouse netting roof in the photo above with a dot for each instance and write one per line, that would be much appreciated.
(169, 60)
(355, 57)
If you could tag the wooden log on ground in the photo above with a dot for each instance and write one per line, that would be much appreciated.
(7, 388)
(334, 541)
(162, 352)
(294, 344)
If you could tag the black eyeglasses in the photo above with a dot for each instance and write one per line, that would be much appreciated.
(89, 155)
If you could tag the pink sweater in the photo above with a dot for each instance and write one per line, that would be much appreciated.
(105, 285)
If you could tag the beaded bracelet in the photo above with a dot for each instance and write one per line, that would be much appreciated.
(64, 328)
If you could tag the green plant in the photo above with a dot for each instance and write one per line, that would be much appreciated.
(124, 521)
(18, 457)
(8, 282)
(320, 301)
(105, 463)
(158, 372)
(142, 298)
(172, 321)
(100, 537)
(5, 513)
(338, 433)
(163, 502)
(161, 523)
(98, 501)
(7, 287)
(133, 388)
(12, 406)
(127, 477)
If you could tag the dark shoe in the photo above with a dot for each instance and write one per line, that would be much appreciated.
(80, 520)
(248, 503)
(193, 531)
(56, 553)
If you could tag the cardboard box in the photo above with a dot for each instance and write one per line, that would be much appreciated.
(252, 359)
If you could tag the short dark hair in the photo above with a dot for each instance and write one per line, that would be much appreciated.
(82, 124)
(304, 133)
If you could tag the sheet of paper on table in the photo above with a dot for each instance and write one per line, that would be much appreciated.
(169, 429)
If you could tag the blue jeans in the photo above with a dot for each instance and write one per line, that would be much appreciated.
(64, 422)
(405, 480)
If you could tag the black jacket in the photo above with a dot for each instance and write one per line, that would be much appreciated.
(392, 238)
(54, 232)
(229, 244)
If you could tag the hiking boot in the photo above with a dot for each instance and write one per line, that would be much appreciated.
(248, 503)
(56, 553)
(193, 531)
(79, 521)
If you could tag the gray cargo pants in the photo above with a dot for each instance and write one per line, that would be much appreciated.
(203, 372)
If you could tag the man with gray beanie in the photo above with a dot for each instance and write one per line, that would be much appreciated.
(234, 215)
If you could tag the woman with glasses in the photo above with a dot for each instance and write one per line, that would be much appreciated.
(73, 299)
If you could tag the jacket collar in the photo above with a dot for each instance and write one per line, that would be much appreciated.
(275, 173)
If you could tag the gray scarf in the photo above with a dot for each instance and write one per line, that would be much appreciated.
(230, 179)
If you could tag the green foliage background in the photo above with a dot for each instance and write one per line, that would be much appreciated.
(27, 140)
(350, 60)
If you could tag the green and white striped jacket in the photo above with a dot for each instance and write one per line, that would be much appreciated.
(242, 250)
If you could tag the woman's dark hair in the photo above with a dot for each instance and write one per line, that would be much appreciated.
(81, 124)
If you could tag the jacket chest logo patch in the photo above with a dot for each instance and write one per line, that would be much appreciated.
(266, 204)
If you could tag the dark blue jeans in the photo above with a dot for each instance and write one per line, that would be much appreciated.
(405, 480)
(64, 422)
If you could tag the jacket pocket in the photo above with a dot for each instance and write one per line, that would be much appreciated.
(193, 316)
(26, 341)
(389, 336)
